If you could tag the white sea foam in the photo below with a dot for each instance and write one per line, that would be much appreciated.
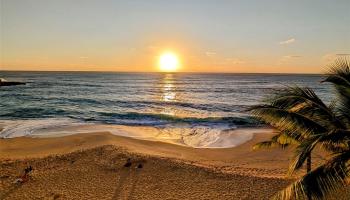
(191, 136)
(18, 128)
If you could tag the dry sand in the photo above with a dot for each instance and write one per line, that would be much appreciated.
(90, 166)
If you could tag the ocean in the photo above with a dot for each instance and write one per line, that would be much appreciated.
(193, 109)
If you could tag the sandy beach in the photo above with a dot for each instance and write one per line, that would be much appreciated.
(90, 166)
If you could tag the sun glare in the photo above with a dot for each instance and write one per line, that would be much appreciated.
(168, 62)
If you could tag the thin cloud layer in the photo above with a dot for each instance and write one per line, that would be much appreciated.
(289, 41)
(292, 56)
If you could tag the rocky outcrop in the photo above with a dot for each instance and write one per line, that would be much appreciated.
(9, 83)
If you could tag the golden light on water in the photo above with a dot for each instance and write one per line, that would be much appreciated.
(168, 93)
(168, 62)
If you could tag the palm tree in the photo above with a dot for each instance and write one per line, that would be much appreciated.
(303, 119)
(283, 140)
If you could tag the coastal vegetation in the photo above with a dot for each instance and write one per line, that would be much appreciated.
(307, 122)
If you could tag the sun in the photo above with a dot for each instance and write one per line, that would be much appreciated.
(168, 62)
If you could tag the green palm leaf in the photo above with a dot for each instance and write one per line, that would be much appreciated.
(320, 182)
(339, 76)
(288, 121)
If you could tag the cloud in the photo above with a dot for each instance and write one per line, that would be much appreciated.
(342, 54)
(292, 56)
(289, 41)
(288, 58)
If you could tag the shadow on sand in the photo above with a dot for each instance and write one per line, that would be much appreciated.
(127, 183)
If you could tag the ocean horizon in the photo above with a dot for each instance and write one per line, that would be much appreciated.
(198, 108)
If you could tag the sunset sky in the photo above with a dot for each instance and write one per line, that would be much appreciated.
(295, 36)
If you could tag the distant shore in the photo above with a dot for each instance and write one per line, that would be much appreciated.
(8, 83)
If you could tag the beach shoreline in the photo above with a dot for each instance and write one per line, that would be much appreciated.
(239, 156)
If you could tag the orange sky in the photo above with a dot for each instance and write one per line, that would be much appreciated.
(229, 36)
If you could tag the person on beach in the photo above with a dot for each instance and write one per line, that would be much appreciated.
(25, 177)
(128, 163)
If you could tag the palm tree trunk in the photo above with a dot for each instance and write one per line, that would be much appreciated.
(308, 169)
(308, 163)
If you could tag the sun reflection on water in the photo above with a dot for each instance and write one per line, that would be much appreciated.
(168, 89)
(168, 93)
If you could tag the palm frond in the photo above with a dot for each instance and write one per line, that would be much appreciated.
(287, 121)
(305, 101)
(288, 138)
(280, 140)
(340, 67)
(302, 152)
(325, 179)
(336, 141)
(268, 145)
(339, 76)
